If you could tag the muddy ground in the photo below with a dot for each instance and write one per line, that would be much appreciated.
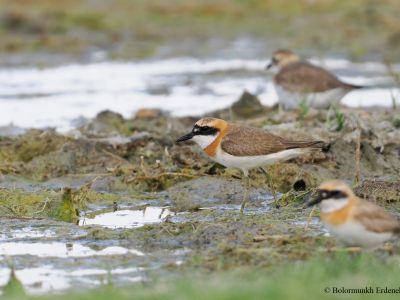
(57, 185)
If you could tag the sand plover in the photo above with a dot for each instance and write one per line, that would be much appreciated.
(298, 80)
(244, 147)
(354, 221)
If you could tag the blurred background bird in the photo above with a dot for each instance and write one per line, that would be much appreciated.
(354, 221)
(298, 80)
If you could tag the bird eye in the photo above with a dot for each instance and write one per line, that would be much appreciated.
(324, 195)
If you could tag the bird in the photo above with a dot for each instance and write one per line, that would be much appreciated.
(298, 80)
(352, 220)
(243, 147)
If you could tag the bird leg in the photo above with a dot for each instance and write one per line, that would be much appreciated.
(245, 192)
(271, 185)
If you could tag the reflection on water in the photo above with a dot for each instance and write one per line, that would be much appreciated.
(184, 86)
(26, 232)
(50, 256)
(58, 249)
(128, 218)
(47, 278)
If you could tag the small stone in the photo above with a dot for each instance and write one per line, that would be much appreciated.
(148, 113)
(248, 105)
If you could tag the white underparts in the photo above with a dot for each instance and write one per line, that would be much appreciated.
(331, 205)
(246, 163)
(292, 100)
(355, 234)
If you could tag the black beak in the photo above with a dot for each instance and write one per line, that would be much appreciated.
(314, 201)
(185, 137)
(269, 66)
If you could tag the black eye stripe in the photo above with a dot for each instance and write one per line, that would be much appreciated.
(325, 194)
(204, 130)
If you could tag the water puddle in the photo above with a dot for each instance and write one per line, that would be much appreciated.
(52, 257)
(46, 279)
(128, 218)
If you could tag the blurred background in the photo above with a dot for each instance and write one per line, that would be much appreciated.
(186, 57)
(73, 30)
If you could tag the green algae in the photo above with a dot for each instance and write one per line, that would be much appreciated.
(32, 144)
(67, 211)
(63, 205)
(17, 203)
(14, 287)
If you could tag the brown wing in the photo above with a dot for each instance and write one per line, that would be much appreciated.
(376, 218)
(249, 141)
(303, 77)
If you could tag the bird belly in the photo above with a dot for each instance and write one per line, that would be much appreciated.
(292, 100)
(355, 234)
(250, 162)
(326, 98)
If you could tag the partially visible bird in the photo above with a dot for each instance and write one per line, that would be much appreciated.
(354, 221)
(298, 80)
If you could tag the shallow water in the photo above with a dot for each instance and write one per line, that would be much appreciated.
(62, 96)
(50, 256)
(127, 218)
(59, 249)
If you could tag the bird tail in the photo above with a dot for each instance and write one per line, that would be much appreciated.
(353, 86)
(312, 145)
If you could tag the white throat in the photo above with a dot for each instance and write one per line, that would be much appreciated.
(274, 69)
(204, 140)
(331, 205)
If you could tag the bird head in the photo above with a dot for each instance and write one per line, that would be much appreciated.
(332, 195)
(205, 131)
(282, 58)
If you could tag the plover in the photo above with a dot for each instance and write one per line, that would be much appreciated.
(298, 80)
(245, 147)
(354, 221)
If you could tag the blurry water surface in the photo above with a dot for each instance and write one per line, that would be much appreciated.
(59, 96)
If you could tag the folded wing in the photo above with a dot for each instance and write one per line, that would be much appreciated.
(376, 219)
(250, 141)
(303, 77)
